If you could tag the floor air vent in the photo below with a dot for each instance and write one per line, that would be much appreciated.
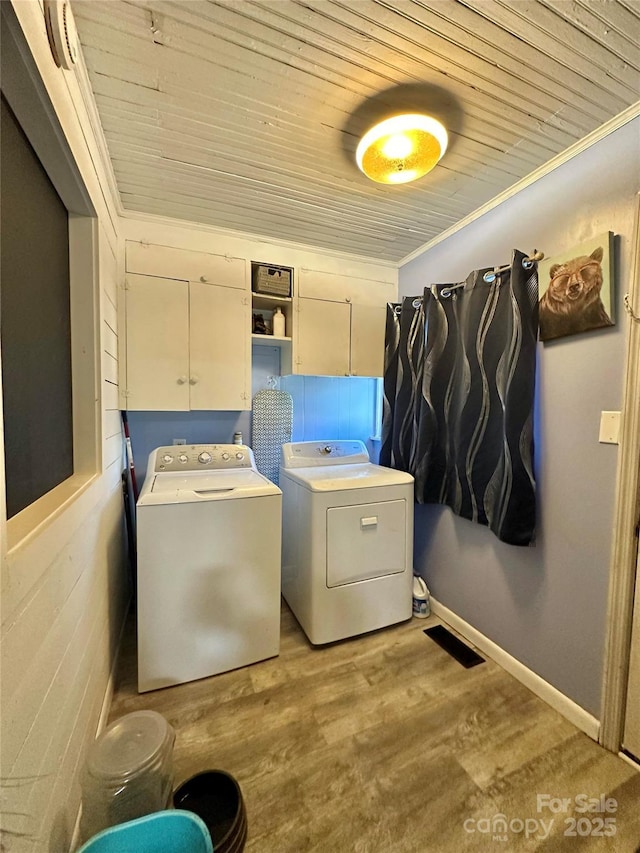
(455, 647)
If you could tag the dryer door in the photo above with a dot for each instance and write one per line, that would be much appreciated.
(366, 541)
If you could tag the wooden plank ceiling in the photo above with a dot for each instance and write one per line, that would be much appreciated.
(246, 115)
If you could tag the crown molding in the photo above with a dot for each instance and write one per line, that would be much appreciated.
(91, 108)
(578, 147)
(156, 219)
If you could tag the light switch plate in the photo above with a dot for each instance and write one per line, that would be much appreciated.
(179, 440)
(609, 427)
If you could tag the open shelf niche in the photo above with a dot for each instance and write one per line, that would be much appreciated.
(265, 303)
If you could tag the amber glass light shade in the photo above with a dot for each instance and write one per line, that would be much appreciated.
(401, 149)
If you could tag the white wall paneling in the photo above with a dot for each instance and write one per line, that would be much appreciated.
(64, 587)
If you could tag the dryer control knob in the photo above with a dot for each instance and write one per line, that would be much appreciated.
(239, 455)
(204, 457)
(225, 456)
(183, 458)
(327, 448)
(167, 458)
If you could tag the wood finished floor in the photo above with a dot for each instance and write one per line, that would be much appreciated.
(385, 743)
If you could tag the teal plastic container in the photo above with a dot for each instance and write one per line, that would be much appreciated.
(160, 832)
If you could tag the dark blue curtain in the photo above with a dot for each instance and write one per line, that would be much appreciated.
(459, 389)
(404, 357)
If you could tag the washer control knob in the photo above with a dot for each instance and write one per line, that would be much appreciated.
(204, 457)
(183, 458)
(239, 455)
(225, 456)
(167, 458)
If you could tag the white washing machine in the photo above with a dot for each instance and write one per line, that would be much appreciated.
(209, 535)
(347, 546)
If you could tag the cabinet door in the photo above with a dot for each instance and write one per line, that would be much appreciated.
(220, 376)
(367, 339)
(169, 262)
(322, 338)
(157, 334)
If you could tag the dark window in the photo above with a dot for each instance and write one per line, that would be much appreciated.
(35, 323)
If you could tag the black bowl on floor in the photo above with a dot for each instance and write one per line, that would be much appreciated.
(215, 796)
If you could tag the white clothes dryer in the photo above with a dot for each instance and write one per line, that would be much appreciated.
(347, 549)
(209, 537)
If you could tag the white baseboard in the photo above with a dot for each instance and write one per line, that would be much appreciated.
(551, 695)
(629, 761)
(108, 697)
(102, 722)
(104, 716)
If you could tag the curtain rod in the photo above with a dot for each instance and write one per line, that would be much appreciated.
(527, 264)
(489, 277)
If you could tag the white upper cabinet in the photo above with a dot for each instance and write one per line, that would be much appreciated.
(220, 348)
(322, 338)
(340, 287)
(157, 332)
(368, 324)
(341, 324)
(203, 267)
(188, 316)
(188, 339)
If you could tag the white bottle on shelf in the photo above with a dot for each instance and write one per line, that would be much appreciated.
(278, 323)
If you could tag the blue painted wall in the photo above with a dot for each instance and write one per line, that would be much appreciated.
(324, 408)
(328, 407)
(546, 606)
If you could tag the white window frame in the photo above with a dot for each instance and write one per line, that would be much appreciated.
(26, 94)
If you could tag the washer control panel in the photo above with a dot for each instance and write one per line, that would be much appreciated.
(200, 457)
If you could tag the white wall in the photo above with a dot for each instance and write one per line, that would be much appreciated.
(64, 587)
(546, 605)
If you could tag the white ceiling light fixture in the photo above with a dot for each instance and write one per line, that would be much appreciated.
(61, 30)
(401, 149)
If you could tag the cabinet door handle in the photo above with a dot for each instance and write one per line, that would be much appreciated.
(203, 279)
(182, 380)
(193, 379)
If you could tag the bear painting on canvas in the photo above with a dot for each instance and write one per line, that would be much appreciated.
(577, 290)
